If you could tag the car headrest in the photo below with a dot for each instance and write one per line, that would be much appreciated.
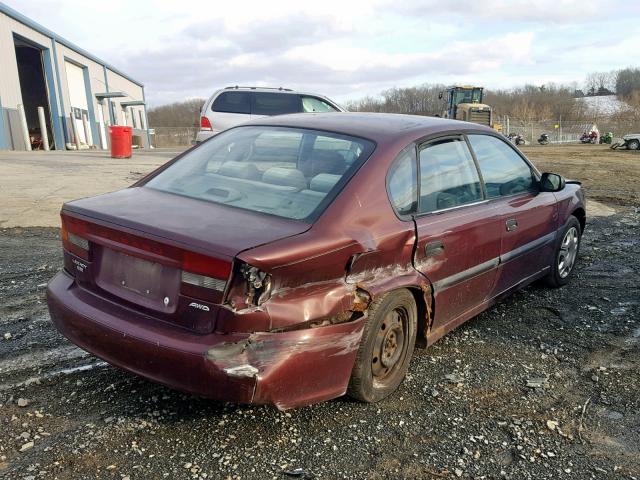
(323, 182)
(288, 177)
(244, 170)
(323, 161)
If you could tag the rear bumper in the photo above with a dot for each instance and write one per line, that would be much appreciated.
(288, 369)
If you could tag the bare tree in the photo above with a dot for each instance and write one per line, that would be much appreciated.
(628, 82)
(601, 83)
(420, 100)
(179, 114)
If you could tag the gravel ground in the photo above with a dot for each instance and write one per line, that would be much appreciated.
(544, 385)
(464, 411)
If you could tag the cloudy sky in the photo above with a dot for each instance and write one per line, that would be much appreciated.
(348, 48)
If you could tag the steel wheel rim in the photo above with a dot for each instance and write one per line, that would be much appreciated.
(568, 252)
(390, 344)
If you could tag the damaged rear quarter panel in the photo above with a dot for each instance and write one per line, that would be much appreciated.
(323, 282)
(355, 244)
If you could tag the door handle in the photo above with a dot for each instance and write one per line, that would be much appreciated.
(434, 248)
(512, 224)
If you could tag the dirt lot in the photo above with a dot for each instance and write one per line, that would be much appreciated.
(33, 185)
(465, 410)
(609, 176)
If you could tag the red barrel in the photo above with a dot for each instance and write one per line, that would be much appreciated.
(120, 141)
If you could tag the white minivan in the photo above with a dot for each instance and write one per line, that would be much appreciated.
(233, 105)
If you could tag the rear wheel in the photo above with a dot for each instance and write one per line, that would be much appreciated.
(387, 344)
(566, 254)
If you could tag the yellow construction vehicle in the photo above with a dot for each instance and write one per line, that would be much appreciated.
(465, 103)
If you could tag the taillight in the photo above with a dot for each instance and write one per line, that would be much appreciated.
(202, 286)
(203, 281)
(205, 124)
(74, 243)
(204, 265)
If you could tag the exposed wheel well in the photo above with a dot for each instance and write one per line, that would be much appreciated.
(423, 310)
(581, 215)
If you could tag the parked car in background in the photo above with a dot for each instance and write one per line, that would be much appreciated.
(234, 105)
(299, 257)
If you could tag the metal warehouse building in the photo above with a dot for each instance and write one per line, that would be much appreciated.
(80, 95)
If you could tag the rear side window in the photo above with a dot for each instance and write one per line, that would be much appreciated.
(402, 183)
(264, 103)
(232, 102)
(313, 104)
(448, 176)
(503, 170)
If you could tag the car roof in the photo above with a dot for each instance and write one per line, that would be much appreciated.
(268, 90)
(379, 127)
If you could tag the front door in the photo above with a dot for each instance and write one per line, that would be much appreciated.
(459, 232)
(528, 217)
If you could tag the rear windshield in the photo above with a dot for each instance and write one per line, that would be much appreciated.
(289, 172)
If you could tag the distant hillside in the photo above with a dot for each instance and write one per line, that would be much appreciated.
(606, 105)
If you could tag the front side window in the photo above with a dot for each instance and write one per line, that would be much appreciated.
(264, 103)
(313, 104)
(468, 96)
(289, 172)
(402, 183)
(232, 102)
(448, 176)
(503, 170)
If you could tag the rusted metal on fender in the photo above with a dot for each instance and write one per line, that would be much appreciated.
(391, 268)
(293, 368)
(384, 280)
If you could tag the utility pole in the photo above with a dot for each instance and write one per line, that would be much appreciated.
(560, 124)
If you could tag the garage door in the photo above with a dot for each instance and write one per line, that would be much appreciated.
(77, 97)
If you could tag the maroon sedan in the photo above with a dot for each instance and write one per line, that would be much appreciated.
(298, 258)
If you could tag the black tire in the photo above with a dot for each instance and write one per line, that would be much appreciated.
(559, 276)
(633, 144)
(378, 371)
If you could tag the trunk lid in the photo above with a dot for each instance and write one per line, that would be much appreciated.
(205, 226)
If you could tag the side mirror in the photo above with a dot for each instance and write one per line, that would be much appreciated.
(551, 182)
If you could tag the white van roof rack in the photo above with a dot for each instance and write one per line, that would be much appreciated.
(281, 89)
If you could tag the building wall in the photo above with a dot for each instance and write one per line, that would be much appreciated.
(99, 78)
(10, 93)
(94, 75)
(133, 92)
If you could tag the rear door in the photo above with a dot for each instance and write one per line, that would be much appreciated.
(458, 244)
(267, 104)
(229, 109)
(528, 217)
